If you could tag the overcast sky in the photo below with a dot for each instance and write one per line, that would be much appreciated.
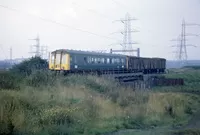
(159, 21)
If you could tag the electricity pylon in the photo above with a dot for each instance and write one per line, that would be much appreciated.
(127, 38)
(182, 54)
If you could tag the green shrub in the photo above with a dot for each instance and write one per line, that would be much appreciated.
(41, 78)
(9, 80)
(187, 132)
(101, 85)
(31, 111)
(86, 105)
(192, 67)
(27, 67)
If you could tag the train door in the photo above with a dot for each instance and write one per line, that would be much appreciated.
(65, 63)
(52, 61)
(57, 61)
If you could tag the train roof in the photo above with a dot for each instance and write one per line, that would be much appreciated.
(98, 53)
(88, 52)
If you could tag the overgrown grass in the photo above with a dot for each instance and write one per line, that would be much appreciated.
(191, 81)
(9, 80)
(187, 132)
(189, 76)
(34, 101)
(50, 105)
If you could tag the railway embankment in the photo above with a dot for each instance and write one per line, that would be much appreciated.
(35, 101)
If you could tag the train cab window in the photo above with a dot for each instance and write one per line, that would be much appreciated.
(64, 59)
(58, 55)
(52, 58)
(71, 59)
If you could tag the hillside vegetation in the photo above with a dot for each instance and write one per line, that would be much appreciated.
(191, 78)
(38, 102)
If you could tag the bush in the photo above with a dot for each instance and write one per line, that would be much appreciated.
(33, 72)
(9, 80)
(40, 78)
(187, 132)
(101, 85)
(32, 111)
(27, 67)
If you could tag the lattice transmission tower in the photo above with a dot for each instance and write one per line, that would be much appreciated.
(35, 49)
(181, 53)
(44, 52)
(127, 45)
(38, 50)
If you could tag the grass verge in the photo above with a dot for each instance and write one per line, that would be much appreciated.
(88, 105)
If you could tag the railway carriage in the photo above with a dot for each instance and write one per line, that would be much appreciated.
(83, 61)
(75, 61)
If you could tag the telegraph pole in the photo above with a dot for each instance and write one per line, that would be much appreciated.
(127, 38)
(11, 55)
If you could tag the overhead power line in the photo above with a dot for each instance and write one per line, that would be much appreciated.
(120, 4)
(93, 11)
(123, 5)
(58, 23)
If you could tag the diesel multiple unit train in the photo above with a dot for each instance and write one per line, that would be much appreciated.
(73, 61)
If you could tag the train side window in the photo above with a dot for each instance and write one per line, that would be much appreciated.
(113, 61)
(89, 59)
(102, 60)
(98, 60)
(85, 60)
(95, 60)
(75, 60)
(92, 60)
(122, 61)
(117, 60)
(108, 61)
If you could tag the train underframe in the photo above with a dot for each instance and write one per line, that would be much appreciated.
(101, 72)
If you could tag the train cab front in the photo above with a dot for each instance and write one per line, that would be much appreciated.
(59, 61)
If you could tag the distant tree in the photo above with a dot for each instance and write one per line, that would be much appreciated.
(27, 67)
